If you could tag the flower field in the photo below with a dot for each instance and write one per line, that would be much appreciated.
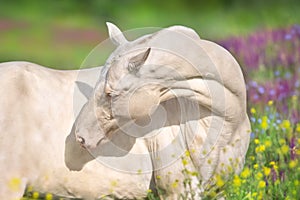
(271, 62)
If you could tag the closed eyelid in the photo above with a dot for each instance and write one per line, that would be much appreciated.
(108, 89)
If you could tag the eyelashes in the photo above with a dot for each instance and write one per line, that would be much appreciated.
(131, 67)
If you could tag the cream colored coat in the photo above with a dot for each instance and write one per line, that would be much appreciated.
(37, 108)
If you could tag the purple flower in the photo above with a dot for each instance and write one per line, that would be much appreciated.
(261, 90)
(282, 175)
(297, 83)
(295, 116)
(288, 37)
(271, 59)
(259, 120)
(292, 148)
(274, 174)
(272, 92)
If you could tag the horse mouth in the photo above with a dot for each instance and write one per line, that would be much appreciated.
(100, 142)
(81, 141)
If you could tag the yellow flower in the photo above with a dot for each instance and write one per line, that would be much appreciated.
(15, 184)
(286, 124)
(149, 191)
(259, 175)
(294, 98)
(285, 149)
(272, 163)
(260, 148)
(255, 166)
(267, 171)
(48, 196)
(260, 195)
(268, 143)
(194, 173)
(270, 103)
(187, 153)
(219, 181)
(245, 173)
(256, 141)
(229, 169)
(252, 110)
(292, 164)
(212, 194)
(175, 184)
(264, 122)
(35, 195)
(113, 183)
(281, 141)
(184, 162)
(298, 129)
(261, 184)
(158, 177)
(237, 181)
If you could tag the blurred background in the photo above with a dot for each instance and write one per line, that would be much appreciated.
(60, 34)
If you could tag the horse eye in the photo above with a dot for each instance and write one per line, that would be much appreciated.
(108, 117)
(131, 67)
(108, 94)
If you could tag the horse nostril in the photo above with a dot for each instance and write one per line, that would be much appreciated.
(80, 140)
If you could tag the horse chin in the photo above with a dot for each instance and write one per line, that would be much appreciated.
(118, 145)
(102, 142)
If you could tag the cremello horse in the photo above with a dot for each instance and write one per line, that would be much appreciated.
(37, 108)
(184, 96)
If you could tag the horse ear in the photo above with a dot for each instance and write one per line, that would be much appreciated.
(137, 61)
(85, 89)
(115, 34)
